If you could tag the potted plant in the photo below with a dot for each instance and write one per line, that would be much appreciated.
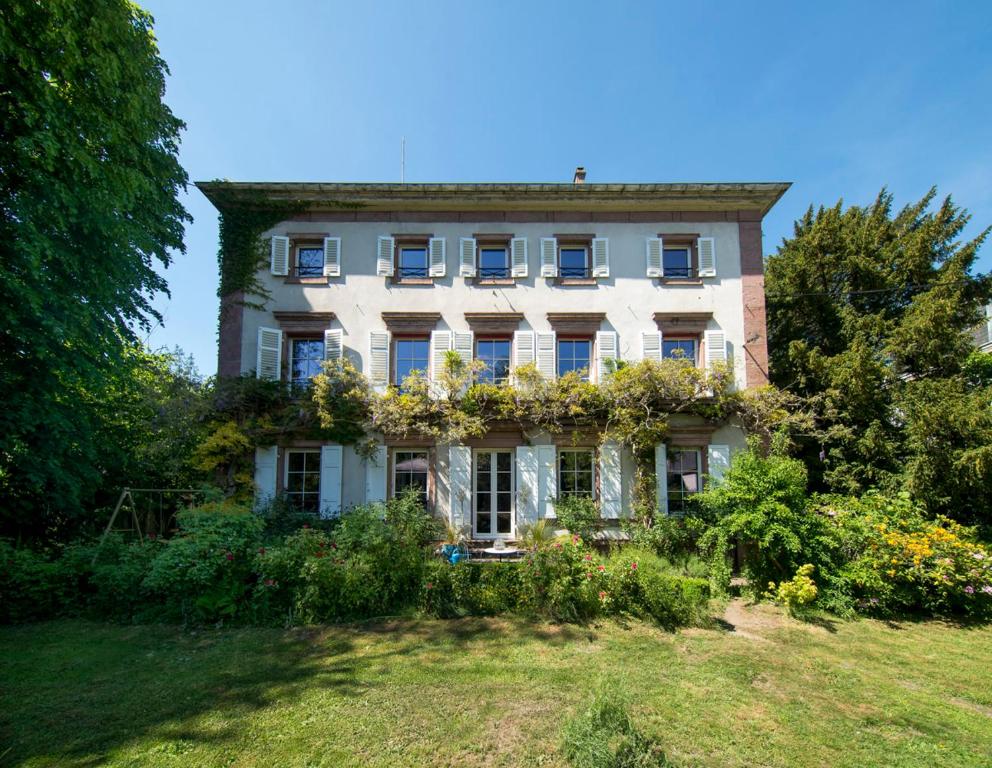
(453, 537)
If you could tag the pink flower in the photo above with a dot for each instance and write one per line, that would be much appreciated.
(334, 545)
(575, 539)
(987, 589)
(969, 589)
(270, 582)
(429, 585)
(229, 555)
(633, 566)
(602, 595)
(557, 545)
(589, 575)
(588, 558)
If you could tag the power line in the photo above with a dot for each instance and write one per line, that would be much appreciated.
(866, 291)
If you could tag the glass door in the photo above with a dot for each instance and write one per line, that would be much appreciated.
(492, 494)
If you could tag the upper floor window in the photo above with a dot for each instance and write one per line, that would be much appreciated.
(575, 473)
(306, 360)
(573, 261)
(411, 261)
(494, 262)
(677, 260)
(679, 349)
(574, 355)
(684, 473)
(310, 261)
(303, 480)
(495, 353)
(410, 470)
(411, 354)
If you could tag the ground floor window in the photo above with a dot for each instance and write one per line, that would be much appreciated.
(303, 480)
(410, 470)
(684, 477)
(575, 473)
(493, 493)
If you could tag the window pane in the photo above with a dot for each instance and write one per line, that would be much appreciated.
(573, 355)
(411, 355)
(296, 459)
(310, 262)
(307, 359)
(572, 262)
(493, 263)
(676, 262)
(503, 522)
(495, 353)
(679, 348)
(413, 262)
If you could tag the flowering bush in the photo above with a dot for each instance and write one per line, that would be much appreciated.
(642, 584)
(797, 593)
(562, 581)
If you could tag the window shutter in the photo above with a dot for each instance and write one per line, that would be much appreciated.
(333, 347)
(600, 257)
(280, 256)
(706, 249)
(719, 461)
(651, 345)
(549, 257)
(440, 344)
(523, 348)
(375, 475)
(606, 349)
(460, 486)
(654, 250)
(384, 253)
(518, 256)
(437, 256)
(547, 482)
(330, 481)
(716, 348)
(379, 359)
(268, 364)
(266, 461)
(462, 344)
(466, 258)
(610, 481)
(661, 477)
(546, 353)
(527, 487)
(332, 256)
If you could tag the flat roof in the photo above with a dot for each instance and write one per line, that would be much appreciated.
(718, 196)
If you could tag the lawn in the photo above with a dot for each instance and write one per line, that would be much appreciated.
(756, 689)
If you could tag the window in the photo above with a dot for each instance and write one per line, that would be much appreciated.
(412, 261)
(494, 262)
(684, 473)
(573, 261)
(679, 348)
(574, 355)
(410, 471)
(310, 261)
(495, 353)
(575, 473)
(306, 359)
(493, 492)
(303, 480)
(411, 355)
(677, 261)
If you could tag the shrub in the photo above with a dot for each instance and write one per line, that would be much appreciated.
(579, 515)
(111, 575)
(674, 538)
(797, 593)
(33, 586)
(603, 735)
(642, 584)
(470, 589)
(562, 581)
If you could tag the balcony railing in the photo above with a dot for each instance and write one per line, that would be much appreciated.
(575, 272)
(494, 273)
(411, 272)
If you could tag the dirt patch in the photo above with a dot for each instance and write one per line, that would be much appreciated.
(751, 621)
(974, 706)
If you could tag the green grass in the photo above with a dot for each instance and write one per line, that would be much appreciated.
(774, 692)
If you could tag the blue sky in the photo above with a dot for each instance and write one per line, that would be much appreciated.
(840, 100)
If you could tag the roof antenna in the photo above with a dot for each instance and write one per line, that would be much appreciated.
(403, 160)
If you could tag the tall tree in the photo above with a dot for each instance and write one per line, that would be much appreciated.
(870, 315)
(89, 183)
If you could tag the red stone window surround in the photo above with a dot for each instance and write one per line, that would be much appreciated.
(687, 240)
(299, 325)
(572, 240)
(411, 241)
(496, 240)
(299, 240)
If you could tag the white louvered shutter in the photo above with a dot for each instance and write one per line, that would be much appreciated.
(607, 348)
(716, 348)
(266, 461)
(651, 345)
(610, 481)
(549, 257)
(546, 353)
(518, 256)
(379, 359)
(547, 479)
(440, 344)
(527, 487)
(654, 248)
(438, 260)
(332, 257)
(600, 257)
(466, 257)
(333, 347)
(268, 363)
(523, 348)
(462, 342)
(384, 256)
(661, 477)
(375, 475)
(706, 249)
(330, 481)
(460, 486)
(280, 256)
(719, 461)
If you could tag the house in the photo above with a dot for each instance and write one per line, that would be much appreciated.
(567, 276)
(983, 331)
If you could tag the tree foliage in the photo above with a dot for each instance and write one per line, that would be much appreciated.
(88, 208)
(870, 313)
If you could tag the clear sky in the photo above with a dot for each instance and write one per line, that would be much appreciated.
(840, 98)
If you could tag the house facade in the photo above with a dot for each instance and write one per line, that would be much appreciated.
(983, 331)
(564, 276)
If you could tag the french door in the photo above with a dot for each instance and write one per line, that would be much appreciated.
(492, 494)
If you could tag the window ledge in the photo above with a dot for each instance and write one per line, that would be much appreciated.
(413, 281)
(494, 281)
(577, 281)
(307, 280)
(680, 280)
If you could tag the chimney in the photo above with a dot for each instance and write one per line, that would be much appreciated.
(580, 175)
